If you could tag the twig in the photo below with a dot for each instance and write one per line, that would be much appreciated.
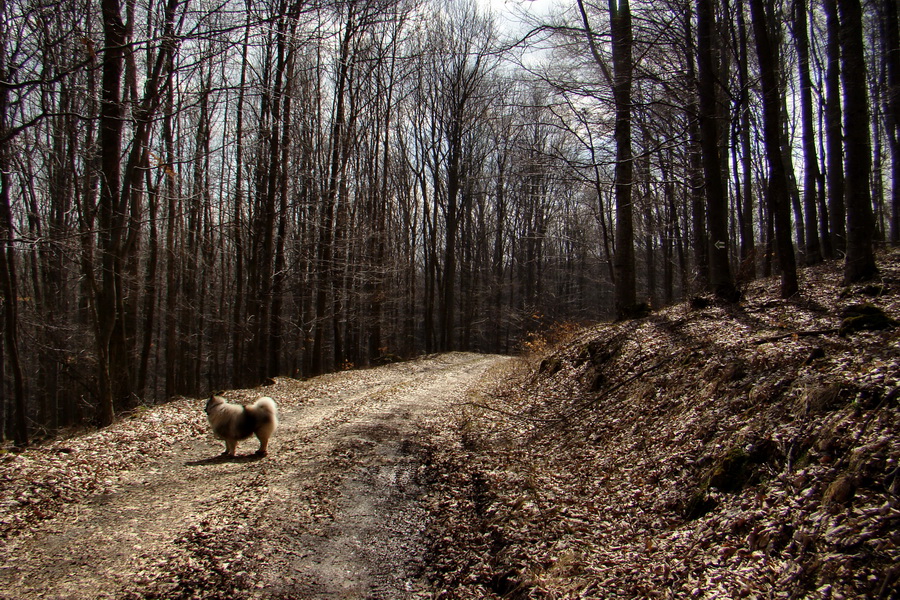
(617, 386)
(583, 406)
(809, 333)
(507, 413)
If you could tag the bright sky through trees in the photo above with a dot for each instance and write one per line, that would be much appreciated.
(512, 13)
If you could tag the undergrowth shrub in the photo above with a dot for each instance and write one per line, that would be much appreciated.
(548, 337)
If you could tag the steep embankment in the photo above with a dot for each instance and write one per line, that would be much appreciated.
(707, 451)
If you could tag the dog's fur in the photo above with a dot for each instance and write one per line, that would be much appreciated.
(235, 422)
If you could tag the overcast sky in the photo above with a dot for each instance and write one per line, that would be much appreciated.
(510, 11)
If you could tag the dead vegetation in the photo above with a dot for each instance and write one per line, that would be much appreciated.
(706, 451)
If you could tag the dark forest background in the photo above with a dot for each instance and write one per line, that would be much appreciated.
(204, 194)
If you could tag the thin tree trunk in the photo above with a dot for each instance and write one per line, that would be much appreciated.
(325, 279)
(834, 137)
(150, 288)
(891, 35)
(8, 280)
(10, 288)
(451, 223)
(278, 277)
(700, 246)
(621, 78)
(720, 277)
(260, 302)
(748, 242)
(778, 196)
(171, 189)
(238, 333)
(813, 250)
(108, 301)
(376, 346)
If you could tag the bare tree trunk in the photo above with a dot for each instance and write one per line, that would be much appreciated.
(625, 290)
(8, 280)
(430, 268)
(860, 261)
(376, 291)
(238, 332)
(150, 287)
(778, 195)
(834, 131)
(9, 284)
(451, 223)
(621, 79)
(891, 35)
(325, 252)
(813, 250)
(171, 190)
(278, 277)
(108, 301)
(264, 229)
(748, 242)
(700, 245)
(720, 277)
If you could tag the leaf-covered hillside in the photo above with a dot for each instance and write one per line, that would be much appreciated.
(706, 451)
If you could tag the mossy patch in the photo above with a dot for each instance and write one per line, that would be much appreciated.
(840, 491)
(551, 365)
(739, 467)
(732, 471)
(823, 398)
(698, 504)
(874, 290)
(700, 302)
(599, 352)
(635, 311)
(864, 317)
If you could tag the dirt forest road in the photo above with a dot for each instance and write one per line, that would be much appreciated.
(337, 510)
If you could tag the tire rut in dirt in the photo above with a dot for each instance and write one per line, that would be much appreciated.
(369, 542)
(367, 539)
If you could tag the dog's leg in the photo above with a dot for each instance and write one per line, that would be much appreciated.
(230, 447)
(263, 437)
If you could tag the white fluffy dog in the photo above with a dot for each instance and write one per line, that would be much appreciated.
(235, 422)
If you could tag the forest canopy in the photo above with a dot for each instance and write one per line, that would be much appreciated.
(198, 194)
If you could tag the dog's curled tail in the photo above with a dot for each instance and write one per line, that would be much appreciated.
(266, 404)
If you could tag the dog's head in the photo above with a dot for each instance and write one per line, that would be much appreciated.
(213, 402)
